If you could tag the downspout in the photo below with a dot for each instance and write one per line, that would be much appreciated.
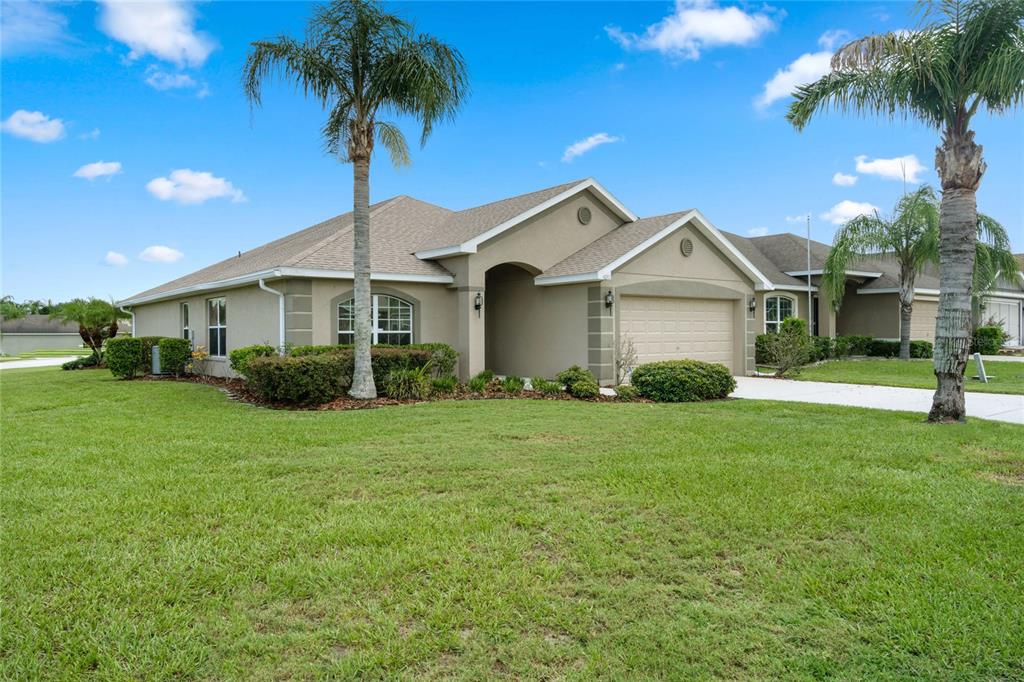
(280, 313)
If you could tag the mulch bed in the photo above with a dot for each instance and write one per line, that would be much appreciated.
(236, 389)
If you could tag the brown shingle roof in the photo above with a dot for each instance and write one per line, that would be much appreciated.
(37, 324)
(748, 247)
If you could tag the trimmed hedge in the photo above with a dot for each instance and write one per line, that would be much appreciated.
(584, 389)
(90, 360)
(239, 358)
(443, 357)
(921, 349)
(677, 381)
(124, 356)
(174, 354)
(306, 380)
(146, 354)
(570, 376)
(883, 349)
(988, 339)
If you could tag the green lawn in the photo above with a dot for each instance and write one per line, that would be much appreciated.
(46, 353)
(156, 529)
(1004, 377)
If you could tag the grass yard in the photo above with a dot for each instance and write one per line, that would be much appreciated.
(1008, 376)
(158, 530)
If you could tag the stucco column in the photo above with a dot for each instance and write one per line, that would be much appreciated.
(472, 338)
(826, 316)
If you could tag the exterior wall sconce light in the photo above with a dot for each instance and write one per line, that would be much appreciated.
(609, 300)
(752, 304)
(478, 303)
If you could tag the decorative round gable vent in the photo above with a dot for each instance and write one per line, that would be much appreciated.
(686, 247)
(583, 215)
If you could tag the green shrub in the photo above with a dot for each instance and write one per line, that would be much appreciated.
(512, 385)
(487, 375)
(90, 360)
(306, 380)
(124, 356)
(443, 357)
(626, 392)
(174, 354)
(570, 376)
(921, 349)
(879, 348)
(790, 348)
(444, 385)
(542, 385)
(584, 389)
(822, 348)
(384, 359)
(675, 381)
(988, 339)
(844, 346)
(478, 384)
(761, 344)
(240, 357)
(146, 354)
(408, 383)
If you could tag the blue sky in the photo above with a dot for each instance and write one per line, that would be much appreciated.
(130, 156)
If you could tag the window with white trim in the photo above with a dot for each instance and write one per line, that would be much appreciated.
(390, 318)
(777, 309)
(186, 329)
(217, 326)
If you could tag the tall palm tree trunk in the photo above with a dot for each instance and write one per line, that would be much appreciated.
(363, 386)
(906, 312)
(960, 168)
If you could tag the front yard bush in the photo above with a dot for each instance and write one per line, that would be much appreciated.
(90, 360)
(174, 355)
(854, 344)
(679, 381)
(822, 348)
(146, 353)
(240, 357)
(584, 389)
(545, 386)
(306, 380)
(443, 358)
(477, 384)
(124, 356)
(988, 339)
(790, 348)
(879, 348)
(570, 376)
(444, 385)
(921, 349)
(626, 392)
(512, 385)
(408, 383)
(761, 343)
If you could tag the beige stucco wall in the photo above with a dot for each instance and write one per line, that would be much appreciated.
(531, 330)
(876, 315)
(434, 307)
(252, 317)
(662, 270)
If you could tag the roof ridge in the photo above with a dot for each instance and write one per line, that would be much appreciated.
(382, 206)
(524, 194)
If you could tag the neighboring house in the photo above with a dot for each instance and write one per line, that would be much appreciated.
(37, 332)
(525, 286)
(870, 305)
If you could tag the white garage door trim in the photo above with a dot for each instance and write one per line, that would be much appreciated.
(1007, 313)
(669, 328)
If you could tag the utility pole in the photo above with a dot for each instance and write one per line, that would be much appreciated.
(810, 296)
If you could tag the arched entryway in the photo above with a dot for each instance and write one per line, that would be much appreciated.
(511, 299)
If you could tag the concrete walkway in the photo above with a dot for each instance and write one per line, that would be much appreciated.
(36, 362)
(999, 358)
(997, 406)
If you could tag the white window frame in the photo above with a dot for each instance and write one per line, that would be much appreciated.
(778, 323)
(186, 321)
(220, 324)
(376, 331)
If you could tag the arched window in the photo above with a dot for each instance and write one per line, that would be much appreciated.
(776, 309)
(391, 320)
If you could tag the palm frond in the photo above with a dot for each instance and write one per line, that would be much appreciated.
(865, 234)
(394, 141)
(287, 58)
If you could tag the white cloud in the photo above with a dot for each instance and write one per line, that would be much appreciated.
(618, 67)
(115, 259)
(187, 186)
(164, 80)
(581, 147)
(100, 169)
(162, 28)
(844, 180)
(159, 253)
(93, 134)
(696, 25)
(34, 125)
(796, 219)
(847, 210)
(31, 26)
(805, 69)
(757, 231)
(900, 168)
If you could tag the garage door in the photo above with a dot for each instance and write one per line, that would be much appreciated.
(677, 328)
(1006, 314)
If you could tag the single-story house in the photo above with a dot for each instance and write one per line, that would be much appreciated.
(523, 286)
(37, 332)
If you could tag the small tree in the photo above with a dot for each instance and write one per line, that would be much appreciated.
(625, 359)
(9, 310)
(96, 320)
(790, 348)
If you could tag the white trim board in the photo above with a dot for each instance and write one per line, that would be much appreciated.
(471, 245)
(819, 271)
(277, 273)
(761, 283)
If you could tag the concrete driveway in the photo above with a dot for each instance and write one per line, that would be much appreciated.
(996, 406)
(36, 362)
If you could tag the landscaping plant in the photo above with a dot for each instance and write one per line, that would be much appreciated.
(124, 357)
(445, 385)
(239, 358)
(988, 339)
(678, 381)
(512, 384)
(790, 348)
(941, 73)
(361, 64)
(174, 355)
(408, 383)
(96, 319)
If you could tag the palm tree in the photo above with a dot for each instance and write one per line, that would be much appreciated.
(911, 238)
(359, 62)
(96, 320)
(943, 73)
